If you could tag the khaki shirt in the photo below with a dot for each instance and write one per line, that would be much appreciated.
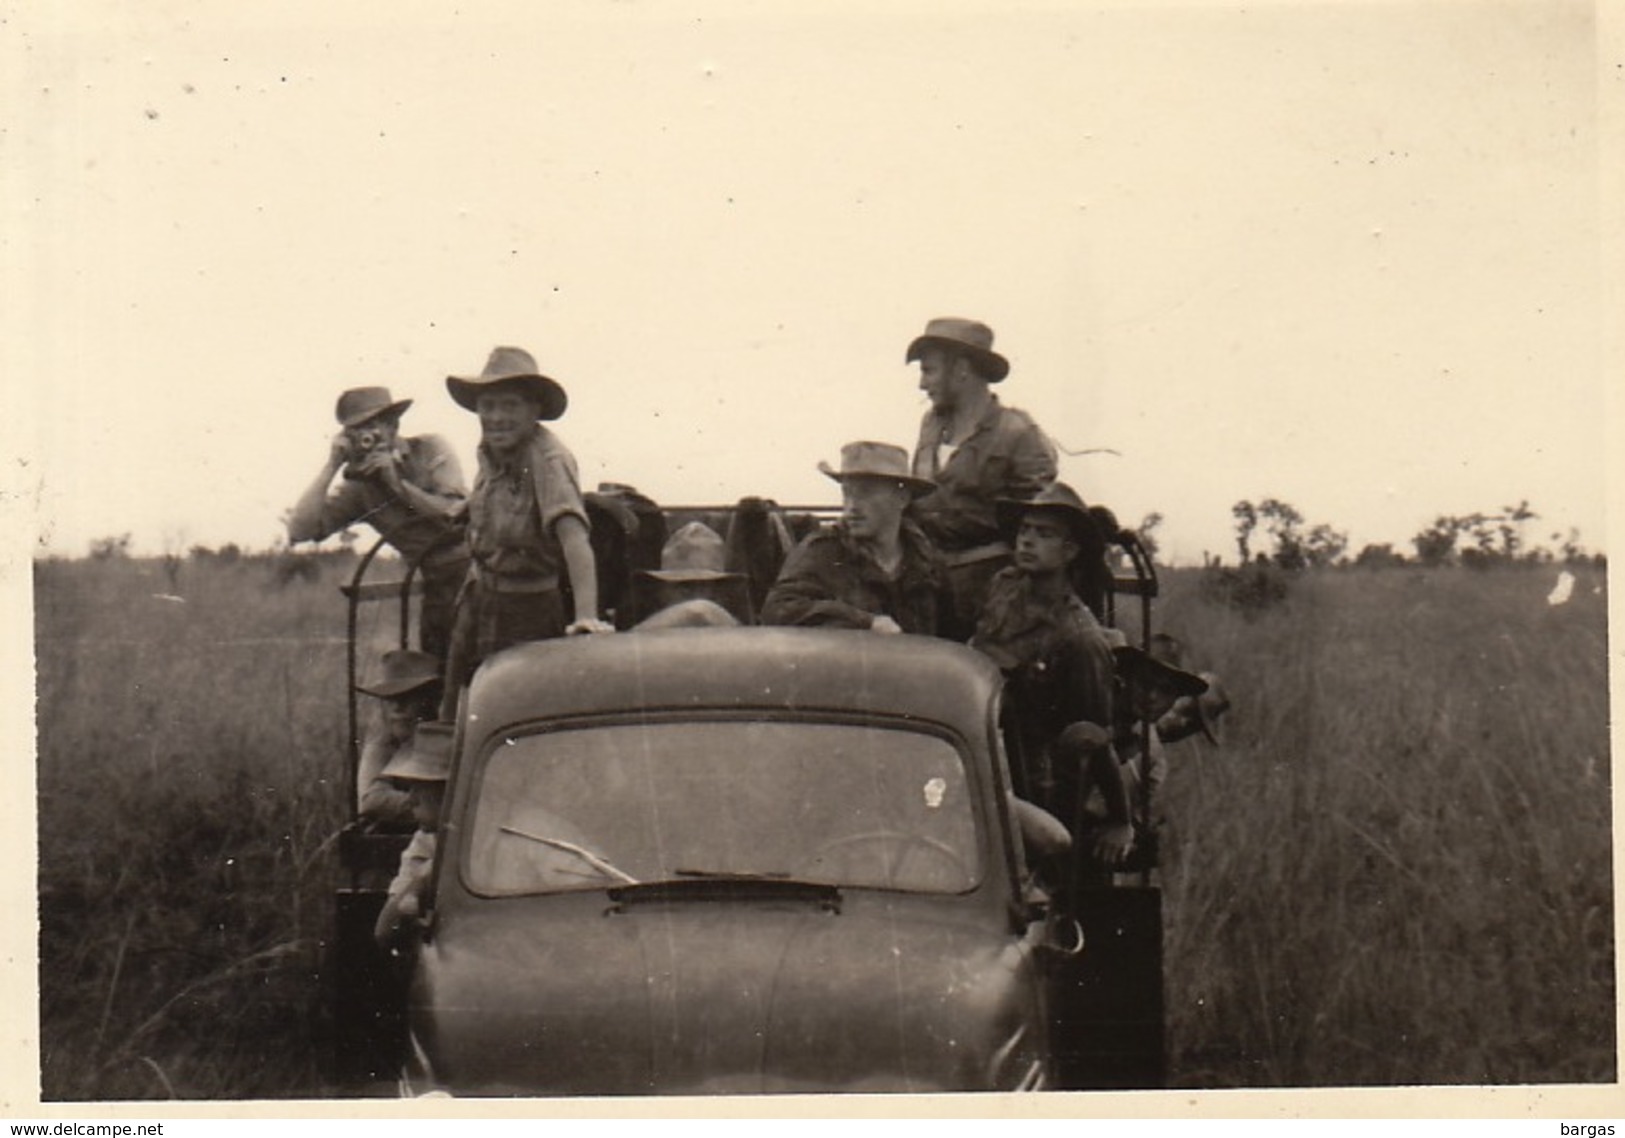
(1005, 456)
(1055, 657)
(515, 505)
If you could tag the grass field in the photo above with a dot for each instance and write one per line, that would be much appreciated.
(1396, 869)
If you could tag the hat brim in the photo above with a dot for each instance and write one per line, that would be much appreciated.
(679, 575)
(390, 689)
(409, 766)
(917, 487)
(1010, 511)
(994, 366)
(547, 392)
(395, 408)
(1140, 667)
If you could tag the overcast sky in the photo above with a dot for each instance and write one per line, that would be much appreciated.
(1345, 255)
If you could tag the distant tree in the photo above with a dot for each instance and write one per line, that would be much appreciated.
(1293, 546)
(1511, 527)
(1147, 532)
(1324, 545)
(1436, 545)
(1246, 521)
(1378, 557)
(109, 548)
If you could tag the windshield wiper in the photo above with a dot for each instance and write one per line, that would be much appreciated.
(581, 852)
(705, 885)
(734, 874)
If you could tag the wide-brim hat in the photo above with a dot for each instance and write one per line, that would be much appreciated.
(1172, 687)
(1057, 498)
(877, 460)
(966, 337)
(513, 366)
(696, 552)
(362, 404)
(404, 671)
(427, 758)
(1142, 669)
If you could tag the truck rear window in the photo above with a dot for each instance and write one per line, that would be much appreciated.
(839, 804)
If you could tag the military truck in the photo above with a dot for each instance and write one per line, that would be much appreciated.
(742, 860)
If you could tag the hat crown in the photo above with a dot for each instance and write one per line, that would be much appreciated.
(971, 333)
(403, 666)
(695, 546)
(1059, 494)
(874, 460)
(1055, 498)
(359, 404)
(509, 363)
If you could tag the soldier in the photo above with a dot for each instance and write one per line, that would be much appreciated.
(409, 688)
(693, 568)
(409, 489)
(874, 569)
(1058, 663)
(527, 523)
(421, 769)
(975, 451)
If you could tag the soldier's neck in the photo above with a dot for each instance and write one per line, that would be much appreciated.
(887, 553)
(966, 414)
(1048, 587)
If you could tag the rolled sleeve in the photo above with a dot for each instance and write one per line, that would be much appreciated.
(558, 489)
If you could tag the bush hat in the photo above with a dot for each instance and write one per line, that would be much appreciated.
(510, 366)
(1142, 669)
(404, 671)
(427, 758)
(969, 338)
(1057, 498)
(877, 460)
(696, 552)
(360, 404)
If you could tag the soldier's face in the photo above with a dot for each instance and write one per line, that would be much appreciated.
(872, 508)
(940, 379)
(505, 418)
(405, 712)
(1044, 545)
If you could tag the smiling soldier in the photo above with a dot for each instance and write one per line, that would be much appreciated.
(527, 523)
(874, 569)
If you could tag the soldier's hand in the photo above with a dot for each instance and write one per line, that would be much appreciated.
(885, 624)
(590, 626)
(379, 464)
(338, 450)
(1113, 844)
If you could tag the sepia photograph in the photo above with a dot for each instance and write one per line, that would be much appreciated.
(822, 554)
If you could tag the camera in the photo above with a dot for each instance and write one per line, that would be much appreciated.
(362, 442)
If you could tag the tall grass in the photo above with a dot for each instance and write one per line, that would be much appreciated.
(1395, 870)
(190, 775)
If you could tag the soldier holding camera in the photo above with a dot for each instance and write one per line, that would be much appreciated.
(408, 489)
